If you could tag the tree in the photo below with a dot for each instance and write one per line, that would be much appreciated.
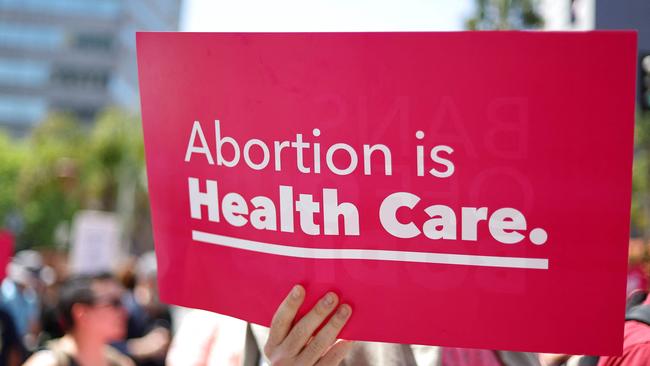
(641, 177)
(114, 173)
(12, 158)
(64, 166)
(46, 187)
(505, 14)
(114, 159)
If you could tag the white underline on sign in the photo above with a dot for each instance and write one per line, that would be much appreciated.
(370, 254)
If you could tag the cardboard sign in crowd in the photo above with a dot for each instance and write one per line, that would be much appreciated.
(456, 189)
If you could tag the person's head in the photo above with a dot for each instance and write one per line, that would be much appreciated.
(92, 304)
(146, 289)
(25, 269)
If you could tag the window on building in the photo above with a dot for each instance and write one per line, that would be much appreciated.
(145, 16)
(94, 8)
(15, 72)
(80, 78)
(93, 42)
(124, 93)
(16, 35)
(22, 109)
(81, 112)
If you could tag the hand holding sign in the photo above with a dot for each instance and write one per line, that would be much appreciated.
(294, 345)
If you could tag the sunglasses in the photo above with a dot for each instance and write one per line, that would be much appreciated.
(113, 301)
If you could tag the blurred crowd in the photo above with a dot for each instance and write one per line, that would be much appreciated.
(43, 307)
(49, 316)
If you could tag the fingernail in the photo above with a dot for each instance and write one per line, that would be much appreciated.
(329, 299)
(343, 312)
(296, 292)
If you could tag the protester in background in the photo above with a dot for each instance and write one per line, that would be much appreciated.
(20, 296)
(12, 352)
(636, 336)
(49, 318)
(92, 315)
(637, 276)
(149, 320)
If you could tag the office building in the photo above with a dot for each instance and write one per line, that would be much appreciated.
(76, 56)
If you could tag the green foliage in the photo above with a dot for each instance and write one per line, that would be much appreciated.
(12, 157)
(64, 166)
(115, 156)
(45, 189)
(641, 177)
(505, 14)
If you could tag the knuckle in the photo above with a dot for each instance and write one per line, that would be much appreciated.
(337, 323)
(279, 322)
(300, 332)
(316, 347)
(321, 310)
(286, 307)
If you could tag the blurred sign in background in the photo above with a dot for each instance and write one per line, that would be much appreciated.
(96, 243)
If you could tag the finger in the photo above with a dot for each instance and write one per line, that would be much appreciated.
(325, 337)
(284, 316)
(306, 326)
(336, 354)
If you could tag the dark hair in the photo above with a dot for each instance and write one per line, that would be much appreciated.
(77, 290)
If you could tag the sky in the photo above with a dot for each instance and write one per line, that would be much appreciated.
(324, 15)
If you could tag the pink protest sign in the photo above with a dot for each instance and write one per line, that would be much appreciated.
(6, 251)
(457, 189)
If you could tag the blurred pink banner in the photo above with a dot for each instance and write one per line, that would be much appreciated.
(6, 251)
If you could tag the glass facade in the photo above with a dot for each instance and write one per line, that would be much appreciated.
(15, 35)
(80, 78)
(146, 18)
(125, 94)
(96, 8)
(94, 42)
(72, 55)
(22, 109)
(17, 72)
(127, 37)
